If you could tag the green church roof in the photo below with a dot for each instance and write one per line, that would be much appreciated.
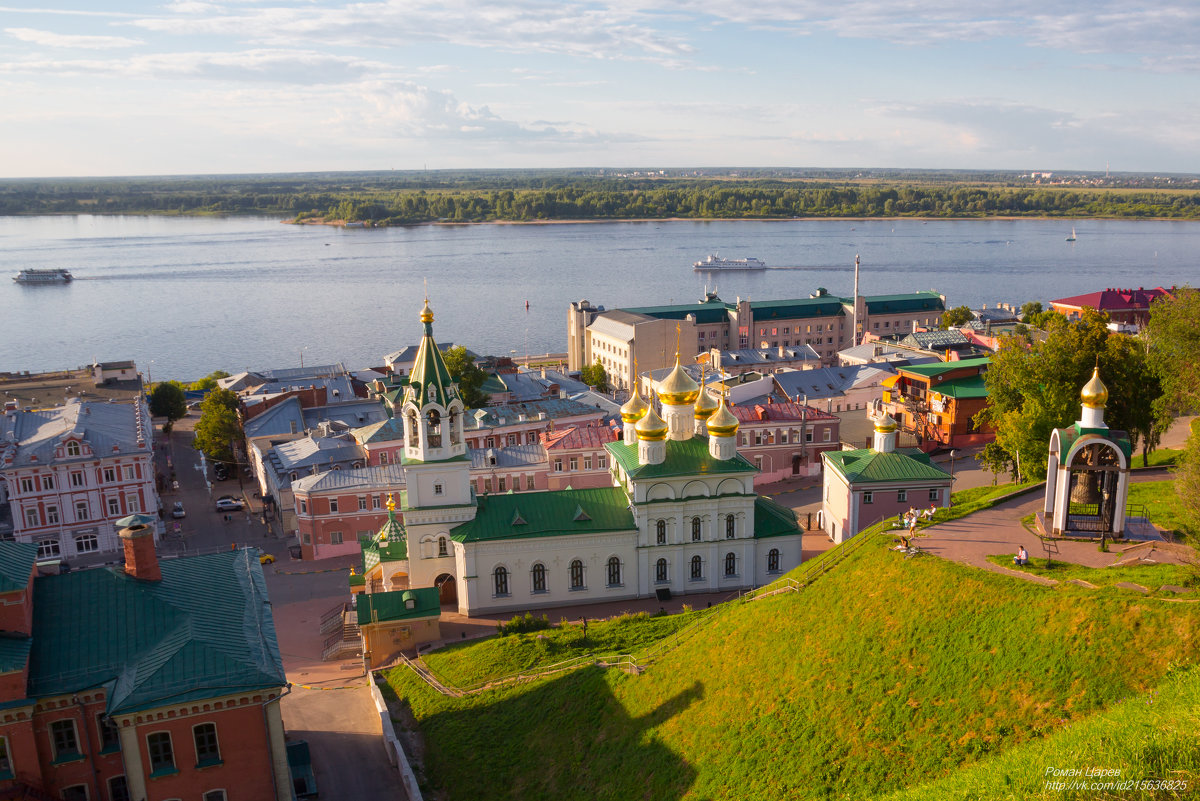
(867, 466)
(381, 607)
(773, 520)
(390, 543)
(547, 514)
(429, 372)
(16, 565)
(683, 458)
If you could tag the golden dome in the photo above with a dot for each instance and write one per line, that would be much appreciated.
(427, 313)
(1094, 394)
(886, 424)
(705, 405)
(722, 423)
(635, 408)
(651, 428)
(678, 388)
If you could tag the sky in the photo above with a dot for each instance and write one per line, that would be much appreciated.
(144, 87)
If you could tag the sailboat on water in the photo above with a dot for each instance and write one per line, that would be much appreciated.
(1071, 238)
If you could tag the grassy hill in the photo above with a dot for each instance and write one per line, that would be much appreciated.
(886, 674)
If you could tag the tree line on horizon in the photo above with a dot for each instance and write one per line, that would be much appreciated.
(377, 200)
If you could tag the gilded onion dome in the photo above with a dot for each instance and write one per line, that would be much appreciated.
(427, 313)
(886, 424)
(678, 388)
(705, 405)
(635, 408)
(651, 427)
(722, 423)
(1094, 394)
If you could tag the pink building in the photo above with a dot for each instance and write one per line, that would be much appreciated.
(784, 440)
(337, 507)
(577, 457)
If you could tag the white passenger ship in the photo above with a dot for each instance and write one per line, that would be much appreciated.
(715, 263)
(59, 276)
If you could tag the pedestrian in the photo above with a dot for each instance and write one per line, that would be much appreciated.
(912, 526)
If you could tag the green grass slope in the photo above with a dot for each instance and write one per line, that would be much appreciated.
(886, 674)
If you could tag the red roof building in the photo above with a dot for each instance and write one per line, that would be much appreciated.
(577, 458)
(1129, 306)
(785, 440)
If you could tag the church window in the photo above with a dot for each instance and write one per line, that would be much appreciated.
(577, 574)
(443, 550)
(773, 560)
(730, 527)
(695, 529)
(660, 532)
(500, 575)
(660, 570)
(437, 488)
(731, 564)
(538, 574)
(697, 568)
(614, 572)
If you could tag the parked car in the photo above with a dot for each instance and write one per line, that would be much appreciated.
(266, 559)
(177, 511)
(228, 503)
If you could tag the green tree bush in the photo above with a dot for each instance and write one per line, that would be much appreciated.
(218, 426)
(468, 375)
(167, 400)
(594, 375)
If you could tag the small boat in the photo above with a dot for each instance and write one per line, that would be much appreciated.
(1071, 238)
(715, 263)
(59, 276)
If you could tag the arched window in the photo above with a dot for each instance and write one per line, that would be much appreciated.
(72, 448)
(538, 574)
(773, 561)
(443, 550)
(660, 570)
(730, 527)
(576, 575)
(661, 532)
(501, 578)
(697, 571)
(614, 572)
(695, 529)
(731, 564)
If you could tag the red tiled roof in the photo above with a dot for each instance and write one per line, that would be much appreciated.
(1115, 299)
(578, 437)
(779, 411)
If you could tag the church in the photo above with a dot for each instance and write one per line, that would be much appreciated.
(681, 515)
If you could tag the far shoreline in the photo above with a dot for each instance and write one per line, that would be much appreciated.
(592, 221)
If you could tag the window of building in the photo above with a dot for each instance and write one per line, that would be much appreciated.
(6, 771)
(697, 568)
(81, 510)
(501, 484)
(114, 507)
(110, 475)
(76, 792)
(303, 506)
(214, 795)
(32, 519)
(660, 570)
(118, 789)
(335, 538)
(826, 434)
(491, 442)
(376, 501)
(868, 497)
(162, 755)
(129, 472)
(362, 502)
(27, 484)
(487, 485)
(538, 577)
(576, 574)
(500, 580)
(73, 448)
(47, 482)
(758, 462)
(333, 506)
(695, 529)
(731, 564)
(87, 543)
(47, 549)
(808, 435)
(437, 488)
(207, 750)
(933, 494)
(529, 482)
(65, 740)
(773, 560)
(558, 466)
(306, 538)
(660, 532)
(783, 436)
(76, 478)
(614, 572)
(443, 549)
(131, 505)
(587, 463)
(730, 527)
(901, 495)
(758, 438)
(383, 457)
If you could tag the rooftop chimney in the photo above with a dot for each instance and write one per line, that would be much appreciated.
(140, 560)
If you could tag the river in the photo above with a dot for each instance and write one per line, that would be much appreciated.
(187, 295)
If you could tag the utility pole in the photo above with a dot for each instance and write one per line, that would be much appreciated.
(854, 332)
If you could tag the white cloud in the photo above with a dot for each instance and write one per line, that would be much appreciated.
(75, 42)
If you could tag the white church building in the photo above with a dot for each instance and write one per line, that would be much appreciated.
(680, 517)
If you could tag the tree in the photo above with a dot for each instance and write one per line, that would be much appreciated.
(1034, 388)
(1187, 483)
(467, 375)
(1043, 320)
(208, 382)
(1173, 334)
(167, 400)
(1029, 309)
(218, 426)
(594, 375)
(956, 317)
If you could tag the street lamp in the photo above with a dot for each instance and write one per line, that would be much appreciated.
(949, 500)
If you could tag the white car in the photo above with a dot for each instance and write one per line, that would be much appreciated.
(228, 503)
(178, 512)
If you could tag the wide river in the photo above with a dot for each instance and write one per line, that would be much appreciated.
(185, 296)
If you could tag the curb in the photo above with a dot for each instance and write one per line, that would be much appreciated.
(309, 572)
(348, 687)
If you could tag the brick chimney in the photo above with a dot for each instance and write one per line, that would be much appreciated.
(140, 560)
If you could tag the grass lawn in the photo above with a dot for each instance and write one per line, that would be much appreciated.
(1160, 457)
(1149, 576)
(1161, 502)
(885, 674)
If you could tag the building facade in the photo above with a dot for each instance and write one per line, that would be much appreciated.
(937, 402)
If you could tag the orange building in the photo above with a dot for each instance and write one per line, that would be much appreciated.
(937, 402)
(149, 683)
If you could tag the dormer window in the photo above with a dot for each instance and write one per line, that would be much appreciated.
(72, 448)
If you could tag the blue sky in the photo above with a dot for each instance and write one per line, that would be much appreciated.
(101, 87)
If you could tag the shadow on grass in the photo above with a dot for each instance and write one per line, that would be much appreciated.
(563, 739)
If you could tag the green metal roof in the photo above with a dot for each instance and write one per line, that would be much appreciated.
(970, 387)
(712, 311)
(684, 458)
(939, 368)
(429, 370)
(907, 302)
(16, 565)
(867, 466)
(773, 520)
(824, 306)
(14, 652)
(1067, 437)
(205, 629)
(547, 514)
(390, 543)
(381, 607)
